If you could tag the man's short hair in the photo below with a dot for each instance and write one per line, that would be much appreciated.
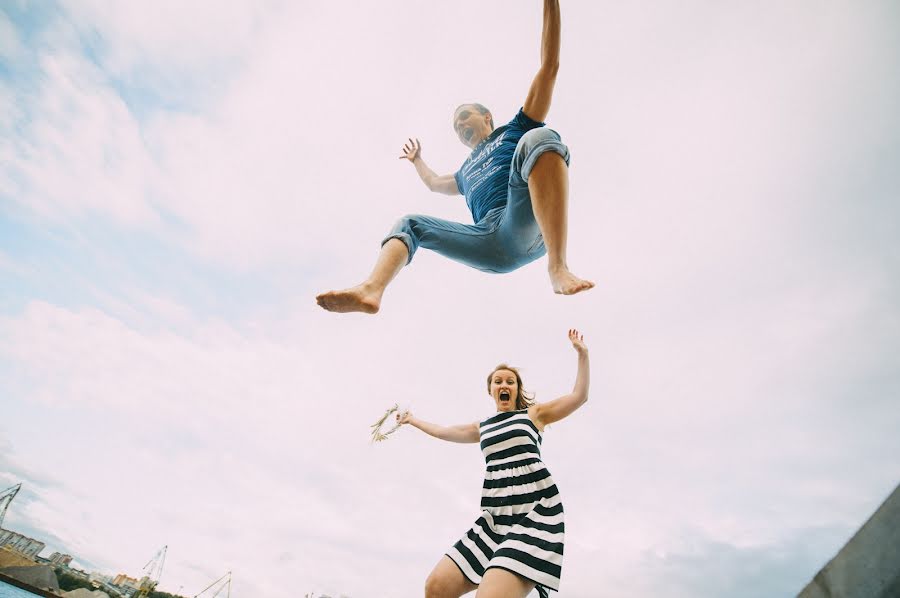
(481, 110)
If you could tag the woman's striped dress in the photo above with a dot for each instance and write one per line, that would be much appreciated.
(521, 525)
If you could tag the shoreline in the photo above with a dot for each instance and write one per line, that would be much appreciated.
(28, 588)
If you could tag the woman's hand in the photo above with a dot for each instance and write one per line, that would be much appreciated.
(404, 418)
(578, 342)
(550, 412)
(412, 150)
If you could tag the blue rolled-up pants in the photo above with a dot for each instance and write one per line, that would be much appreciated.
(507, 237)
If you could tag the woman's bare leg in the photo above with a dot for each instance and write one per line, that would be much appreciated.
(500, 583)
(366, 296)
(548, 185)
(447, 581)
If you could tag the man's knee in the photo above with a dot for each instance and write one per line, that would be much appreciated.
(403, 222)
(404, 230)
(534, 145)
(549, 158)
(408, 226)
(410, 223)
(540, 135)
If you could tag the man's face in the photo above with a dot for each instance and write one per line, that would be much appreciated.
(471, 126)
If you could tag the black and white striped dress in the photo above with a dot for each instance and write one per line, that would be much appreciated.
(521, 526)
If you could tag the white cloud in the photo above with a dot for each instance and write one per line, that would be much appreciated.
(171, 37)
(10, 44)
(82, 149)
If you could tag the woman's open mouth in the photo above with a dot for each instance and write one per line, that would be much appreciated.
(504, 396)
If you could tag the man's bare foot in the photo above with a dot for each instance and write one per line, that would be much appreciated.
(357, 298)
(566, 283)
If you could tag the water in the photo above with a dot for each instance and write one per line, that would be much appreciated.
(8, 591)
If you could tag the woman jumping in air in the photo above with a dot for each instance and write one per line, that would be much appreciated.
(516, 545)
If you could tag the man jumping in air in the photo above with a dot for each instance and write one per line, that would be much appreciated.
(516, 184)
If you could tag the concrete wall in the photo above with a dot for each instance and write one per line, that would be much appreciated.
(868, 566)
(9, 558)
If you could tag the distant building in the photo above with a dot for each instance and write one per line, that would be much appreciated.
(21, 544)
(79, 573)
(123, 581)
(94, 576)
(60, 559)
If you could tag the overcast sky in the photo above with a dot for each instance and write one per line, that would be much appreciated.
(179, 180)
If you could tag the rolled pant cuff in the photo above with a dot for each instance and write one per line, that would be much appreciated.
(406, 240)
(548, 145)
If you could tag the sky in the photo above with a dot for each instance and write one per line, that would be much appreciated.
(179, 180)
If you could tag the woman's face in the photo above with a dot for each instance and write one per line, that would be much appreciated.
(504, 390)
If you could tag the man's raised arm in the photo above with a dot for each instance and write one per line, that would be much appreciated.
(537, 104)
(445, 183)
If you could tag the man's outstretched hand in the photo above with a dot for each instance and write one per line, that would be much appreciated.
(411, 150)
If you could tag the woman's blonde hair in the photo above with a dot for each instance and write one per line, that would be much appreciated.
(524, 399)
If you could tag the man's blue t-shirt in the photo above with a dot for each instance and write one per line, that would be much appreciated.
(484, 176)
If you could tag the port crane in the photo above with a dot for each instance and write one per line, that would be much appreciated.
(220, 584)
(6, 497)
(152, 572)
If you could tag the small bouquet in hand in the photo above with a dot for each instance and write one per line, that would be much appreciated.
(378, 431)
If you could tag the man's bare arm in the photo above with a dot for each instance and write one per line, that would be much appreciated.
(537, 103)
(445, 183)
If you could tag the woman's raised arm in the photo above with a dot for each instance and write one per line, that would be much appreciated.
(552, 411)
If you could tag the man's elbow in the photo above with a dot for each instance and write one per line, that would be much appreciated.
(550, 69)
